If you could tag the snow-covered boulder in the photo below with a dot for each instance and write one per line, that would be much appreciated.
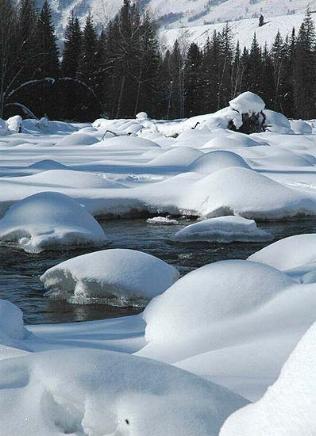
(223, 229)
(213, 161)
(49, 220)
(77, 139)
(215, 293)
(119, 276)
(162, 221)
(288, 407)
(296, 255)
(96, 392)
(301, 127)
(43, 123)
(47, 164)
(15, 124)
(11, 322)
(247, 103)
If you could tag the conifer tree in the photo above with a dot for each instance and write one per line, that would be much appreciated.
(72, 47)
(192, 83)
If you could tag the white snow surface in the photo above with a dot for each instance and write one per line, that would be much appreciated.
(119, 276)
(288, 406)
(49, 220)
(90, 392)
(223, 229)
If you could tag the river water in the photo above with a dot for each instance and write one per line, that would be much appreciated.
(19, 271)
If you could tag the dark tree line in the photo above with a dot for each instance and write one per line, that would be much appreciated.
(121, 70)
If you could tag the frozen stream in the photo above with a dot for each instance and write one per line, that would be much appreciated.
(19, 274)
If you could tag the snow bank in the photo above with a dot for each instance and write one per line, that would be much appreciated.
(47, 164)
(247, 103)
(295, 255)
(235, 140)
(11, 322)
(120, 276)
(223, 229)
(126, 143)
(288, 407)
(217, 292)
(49, 220)
(90, 392)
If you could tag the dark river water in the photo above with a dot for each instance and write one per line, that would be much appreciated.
(19, 271)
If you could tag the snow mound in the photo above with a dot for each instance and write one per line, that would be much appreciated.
(244, 192)
(142, 116)
(11, 322)
(180, 156)
(217, 292)
(231, 141)
(15, 124)
(295, 255)
(288, 406)
(107, 393)
(70, 179)
(223, 229)
(47, 164)
(162, 221)
(277, 123)
(77, 139)
(301, 127)
(247, 103)
(120, 276)
(49, 220)
(126, 143)
(215, 160)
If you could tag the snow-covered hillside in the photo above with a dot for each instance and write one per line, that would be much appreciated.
(185, 12)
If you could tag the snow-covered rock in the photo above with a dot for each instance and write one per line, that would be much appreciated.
(90, 392)
(213, 161)
(49, 220)
(126, 143)
(142, 116)
(276, 122)
(77, 139)
(301, 127)
(180, 156)
(235, 140)
(241, 191)
(288, 407)
(119, 276)
(223, 229)
(247, 103)
(162, 221)
(15, 124)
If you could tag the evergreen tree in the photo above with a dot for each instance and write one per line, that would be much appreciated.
(304, 69)
(72, 47)
(192, 83)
